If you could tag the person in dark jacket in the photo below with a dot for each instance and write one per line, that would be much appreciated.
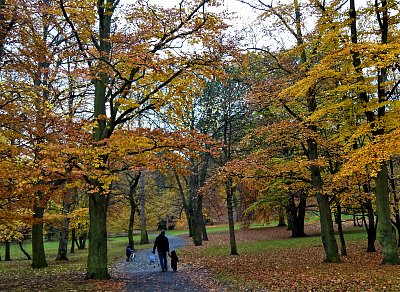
(162, 245)
(174, 261)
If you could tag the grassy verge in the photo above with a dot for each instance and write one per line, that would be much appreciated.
(17, 275)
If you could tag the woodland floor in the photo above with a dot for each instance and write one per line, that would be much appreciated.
(291, 268)
(269, 260)
(285, 268)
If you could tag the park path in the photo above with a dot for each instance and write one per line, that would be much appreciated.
(141, 276)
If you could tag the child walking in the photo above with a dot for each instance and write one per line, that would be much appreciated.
(174, 261)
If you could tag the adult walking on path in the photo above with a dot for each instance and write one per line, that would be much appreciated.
(162, 245)
(140, 276)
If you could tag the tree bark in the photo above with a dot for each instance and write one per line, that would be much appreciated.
(97, 259)
(343, 250)
(132, 201)
(23, 250)
(62, 254)
(38, 254)
(386, 231)
(396, 211)
(73, 239)
(185, 204)
(7, 255)
(229, 202)
(297, 214)
(327, 231)
(281, 222)
(370, 226)
(144, 238)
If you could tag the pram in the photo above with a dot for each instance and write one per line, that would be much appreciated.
(153, 260)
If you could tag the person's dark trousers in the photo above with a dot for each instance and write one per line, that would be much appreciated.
(163, 261)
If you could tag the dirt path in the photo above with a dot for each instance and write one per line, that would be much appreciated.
(139, 275)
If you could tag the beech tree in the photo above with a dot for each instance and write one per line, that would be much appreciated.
(130, 63)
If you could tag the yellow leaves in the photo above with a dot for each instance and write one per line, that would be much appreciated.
(368, 160)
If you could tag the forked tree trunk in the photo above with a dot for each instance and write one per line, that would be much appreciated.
(97, 258)
(38, 254)
(297, 214)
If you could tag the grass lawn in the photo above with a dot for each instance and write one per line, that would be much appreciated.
(17, 275)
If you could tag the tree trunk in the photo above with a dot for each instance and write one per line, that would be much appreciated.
(340, 228)
(24, 251)
(370, 226)
(195, 203)
(281, 222)
(196, 220)
(297, 214)
(97, 259)
(98, 202)
(73, 239)
(144, 238)
(386, 232)
(327, 231)
(299, 223)
(187, 205)
(81, 241)
(7, 255)
(396, 211)
(63, 241)
(62, 254)
(205, 235)
(130, 226)
(328, 235)
(229, 203)
(38, 254)
(132, 200)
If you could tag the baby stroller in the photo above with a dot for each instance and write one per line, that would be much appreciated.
(153, 260)
(130, 253)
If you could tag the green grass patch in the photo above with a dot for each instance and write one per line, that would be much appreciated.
(17, 274)
(260, 246)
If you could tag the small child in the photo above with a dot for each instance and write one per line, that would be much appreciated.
(152, 260)
(174, 261)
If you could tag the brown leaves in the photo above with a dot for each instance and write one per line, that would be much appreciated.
(293, 268)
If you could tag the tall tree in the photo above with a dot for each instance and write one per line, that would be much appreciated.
(130, 69)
